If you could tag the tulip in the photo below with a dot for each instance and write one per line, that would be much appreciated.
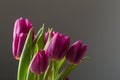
(21, 29)
(39, 62)
(58, 46)
(76, 52)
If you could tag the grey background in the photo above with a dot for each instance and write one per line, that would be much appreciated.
(96, 22)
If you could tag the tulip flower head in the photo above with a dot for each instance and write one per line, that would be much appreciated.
(76, 52)
(21, 29)
(39, 62)
(58, 46)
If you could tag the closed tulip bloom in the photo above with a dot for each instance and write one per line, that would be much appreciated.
(39, 62)
(21, 29)
(76, 52)
(58, 46)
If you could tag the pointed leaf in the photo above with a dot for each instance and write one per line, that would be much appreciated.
(40, 39)
(58, 65)
(39, 33)
(30, 75)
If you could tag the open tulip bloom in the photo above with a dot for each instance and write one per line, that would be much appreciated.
(42, 55)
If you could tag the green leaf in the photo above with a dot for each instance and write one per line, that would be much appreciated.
(25, 57)
(39, 33)
(40, 38)
(30, 75)
(41, 76)
(58, 65)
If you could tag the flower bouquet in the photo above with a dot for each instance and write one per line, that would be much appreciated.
(42, 55)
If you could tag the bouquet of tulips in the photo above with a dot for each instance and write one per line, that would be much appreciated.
(42, 55)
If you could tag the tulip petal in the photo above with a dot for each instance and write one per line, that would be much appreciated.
(21, 42)
(15, 46)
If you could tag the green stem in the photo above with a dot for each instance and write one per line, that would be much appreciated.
(37, 77)
(30, 75)
(53, 70)
(69, 68)
(65, 72)
(41, 76)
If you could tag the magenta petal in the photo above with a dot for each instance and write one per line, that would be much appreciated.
(44, 61)
(21, 42)
(15, 45)
(81, 53)
(46, 37)
(28, 24)
(15, 28)
(21, 26)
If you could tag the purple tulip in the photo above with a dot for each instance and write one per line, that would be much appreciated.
(39, 62)
(21, 29)
(58, 46)
(76, 52)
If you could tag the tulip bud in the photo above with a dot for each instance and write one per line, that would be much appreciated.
(76, 52)
(39, 62)
(58, 46)
(21, 29)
